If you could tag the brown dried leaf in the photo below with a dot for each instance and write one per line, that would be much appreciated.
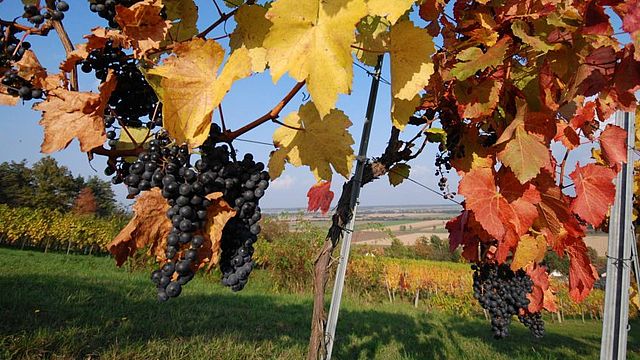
(6, 99)
(30, 68)
(219, 212)
(149, 226)
(69, 114)
(142, 25)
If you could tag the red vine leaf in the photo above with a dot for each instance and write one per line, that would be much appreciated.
(567, 135)
(582, 275)
(596, 22)
(505, 221)
(320, 196)
(585, 114)
(477, 98)
(541, 296)
(595, 192)
(68, 114)
(613, 142)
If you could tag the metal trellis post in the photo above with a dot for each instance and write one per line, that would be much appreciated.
(616, 304)
(336, 297)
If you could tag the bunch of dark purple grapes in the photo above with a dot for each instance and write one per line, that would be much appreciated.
(106, 9)
(18, 86)
(37, 16)
(503, 293)
(133, 98)
(186, 187)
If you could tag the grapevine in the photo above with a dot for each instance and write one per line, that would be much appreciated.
(501, 84)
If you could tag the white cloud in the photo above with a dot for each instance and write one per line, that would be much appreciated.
(282, 183)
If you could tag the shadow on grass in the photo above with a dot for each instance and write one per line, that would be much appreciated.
(91, 314)
(100, 314)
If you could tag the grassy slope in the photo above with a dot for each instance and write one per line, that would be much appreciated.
(57, 306)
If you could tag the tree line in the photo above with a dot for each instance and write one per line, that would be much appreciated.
(48, 185)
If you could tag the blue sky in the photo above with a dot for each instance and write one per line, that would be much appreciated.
(20, 134)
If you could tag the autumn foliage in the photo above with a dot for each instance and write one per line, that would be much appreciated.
(504, 82)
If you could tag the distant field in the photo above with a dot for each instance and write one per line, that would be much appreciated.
(80, 307)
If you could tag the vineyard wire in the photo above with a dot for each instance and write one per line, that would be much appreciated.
(424, 186)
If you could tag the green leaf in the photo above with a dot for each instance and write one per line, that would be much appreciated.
(520, 29)
(473, 59)
(435, 135)
(398, 173)
(186, 12)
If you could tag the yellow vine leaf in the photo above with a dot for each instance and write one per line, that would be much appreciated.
(402, 110)
(189, 88)
(142, 25)
(525, 153)
(411, 48)
(372, 35)
(530, 250)
(321, 143)
(250, 33)
(398, 173)
(391, 10)
(139, 135)
(184, 17)
(311, 40)
(69, 114)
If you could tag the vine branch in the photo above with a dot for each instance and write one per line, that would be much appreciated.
(270, 116)
(66, 43)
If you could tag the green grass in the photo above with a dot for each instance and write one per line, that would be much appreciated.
(79, 307)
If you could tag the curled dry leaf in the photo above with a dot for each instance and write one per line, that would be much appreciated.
(142, 25)
(30, 68)
(217, 216)
(149, 226)
(68, 114)
(6, 99)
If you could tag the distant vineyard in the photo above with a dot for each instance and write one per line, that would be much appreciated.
(446, 286)
(55, 230)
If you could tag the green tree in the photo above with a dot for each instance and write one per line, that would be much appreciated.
(54, 186)
(16, 181)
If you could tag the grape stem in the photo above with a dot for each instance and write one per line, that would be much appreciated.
(42, 31)
(66, 43)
